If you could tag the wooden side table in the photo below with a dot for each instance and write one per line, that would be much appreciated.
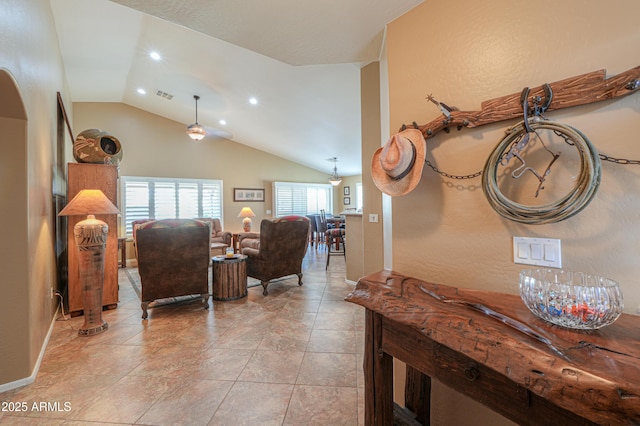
(218, 248)
(236, 243)
(122, 246)
(229, 277)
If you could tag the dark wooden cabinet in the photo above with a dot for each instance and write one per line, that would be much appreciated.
(93, 176)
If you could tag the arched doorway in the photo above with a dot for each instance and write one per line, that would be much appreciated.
(14, 253)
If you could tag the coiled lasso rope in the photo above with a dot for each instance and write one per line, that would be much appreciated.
(569, 205)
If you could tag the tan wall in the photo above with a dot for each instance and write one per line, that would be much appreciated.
(371, 140)
(153, 146)
(339, 196)
(26, 309)
(354, 248)
(464, 53)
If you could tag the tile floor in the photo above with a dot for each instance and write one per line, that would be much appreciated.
(291, 358)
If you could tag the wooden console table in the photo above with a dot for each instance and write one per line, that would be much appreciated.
(522, 367)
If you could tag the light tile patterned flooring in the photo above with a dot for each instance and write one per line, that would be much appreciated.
(293, 357)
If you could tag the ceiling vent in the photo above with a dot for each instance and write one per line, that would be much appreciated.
(165, 95)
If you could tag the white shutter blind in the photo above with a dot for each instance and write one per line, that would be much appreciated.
(136, 201)
(164, 197)
(189, 200)
(211, 200)
(301, 198)
(161, 198)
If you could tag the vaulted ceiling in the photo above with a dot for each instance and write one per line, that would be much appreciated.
(300, 60)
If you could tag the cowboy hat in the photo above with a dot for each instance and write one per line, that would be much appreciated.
(396, 167)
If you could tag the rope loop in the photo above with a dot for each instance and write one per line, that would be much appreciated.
(573, 202)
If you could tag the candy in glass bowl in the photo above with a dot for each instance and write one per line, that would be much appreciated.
(571, 299)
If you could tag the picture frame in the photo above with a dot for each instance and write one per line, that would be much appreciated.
(347, 201)
(346, 190)
(248, 194)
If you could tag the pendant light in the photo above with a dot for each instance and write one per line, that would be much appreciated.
(334, 179)
(196, 131)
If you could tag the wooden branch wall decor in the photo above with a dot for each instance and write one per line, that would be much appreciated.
(581, 90)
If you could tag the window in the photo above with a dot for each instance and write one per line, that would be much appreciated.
(359, 202)
(301, 198)
(162, 198)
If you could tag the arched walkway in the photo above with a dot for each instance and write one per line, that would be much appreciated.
(14, 266)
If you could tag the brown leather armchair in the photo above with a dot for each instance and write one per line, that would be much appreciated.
(279, 250)
(217, 234)
(173, 260)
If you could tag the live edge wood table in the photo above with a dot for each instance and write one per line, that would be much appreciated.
(490, 347)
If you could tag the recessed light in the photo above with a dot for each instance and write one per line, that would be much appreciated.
(223, 122)
(253, 101)
(155, 56)
(141, 91)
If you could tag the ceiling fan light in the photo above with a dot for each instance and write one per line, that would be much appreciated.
(196, 132)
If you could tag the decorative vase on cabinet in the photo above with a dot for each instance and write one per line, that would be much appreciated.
(105, 178)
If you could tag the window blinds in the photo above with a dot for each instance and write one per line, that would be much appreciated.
(162, 198)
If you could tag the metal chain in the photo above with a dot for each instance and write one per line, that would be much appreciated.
(441, 173)
(618, 160)
(603, 157)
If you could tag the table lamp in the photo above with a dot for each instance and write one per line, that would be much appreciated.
(91, 239)
(247, 213)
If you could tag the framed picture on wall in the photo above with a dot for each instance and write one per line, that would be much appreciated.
(346, 190)
(347, 201)
(248, 194)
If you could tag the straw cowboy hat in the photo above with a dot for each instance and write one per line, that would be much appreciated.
(396, 168)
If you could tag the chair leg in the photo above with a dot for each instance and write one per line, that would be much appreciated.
(144, 306)
(205, 300)
(329, 242)
(299, 278)
(338, 240)
(264, 286)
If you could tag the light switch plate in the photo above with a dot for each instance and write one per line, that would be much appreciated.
(537, 251)
(373, 218)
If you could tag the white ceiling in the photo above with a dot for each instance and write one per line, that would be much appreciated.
(301, 59)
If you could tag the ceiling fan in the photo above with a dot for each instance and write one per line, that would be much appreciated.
(197, 132)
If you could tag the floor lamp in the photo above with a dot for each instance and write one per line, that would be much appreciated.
(91, 239)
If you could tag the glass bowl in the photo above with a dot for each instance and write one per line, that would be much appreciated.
(571, 299)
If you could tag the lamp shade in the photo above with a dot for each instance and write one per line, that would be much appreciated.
(246, 212)
(89, 201)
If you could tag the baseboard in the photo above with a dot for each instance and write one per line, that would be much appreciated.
(28, 380)
(353, 283)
